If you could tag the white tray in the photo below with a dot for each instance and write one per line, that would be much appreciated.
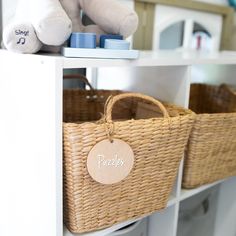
(99, 53)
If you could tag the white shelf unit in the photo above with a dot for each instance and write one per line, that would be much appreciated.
(31, 135)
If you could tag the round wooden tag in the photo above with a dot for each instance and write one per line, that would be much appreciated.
(110, 162)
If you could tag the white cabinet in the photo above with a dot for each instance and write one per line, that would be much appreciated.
(31, 135)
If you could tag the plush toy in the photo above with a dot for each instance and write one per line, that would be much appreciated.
(50, 22)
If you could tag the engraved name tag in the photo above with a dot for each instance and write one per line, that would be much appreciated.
(110, 162)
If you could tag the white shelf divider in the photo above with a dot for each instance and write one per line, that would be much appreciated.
(187, 193)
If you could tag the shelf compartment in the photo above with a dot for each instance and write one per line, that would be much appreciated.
(187, 193)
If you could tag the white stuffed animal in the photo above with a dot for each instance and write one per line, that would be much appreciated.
(50, 22)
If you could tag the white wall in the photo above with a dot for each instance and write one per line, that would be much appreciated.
(0, 20)
(8, 10)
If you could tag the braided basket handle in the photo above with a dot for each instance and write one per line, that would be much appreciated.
(80, 77)
(227, 88)
(113, 99)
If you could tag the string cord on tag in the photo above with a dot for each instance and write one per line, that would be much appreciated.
(109, 126)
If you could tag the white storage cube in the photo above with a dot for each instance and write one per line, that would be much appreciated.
(139, 228)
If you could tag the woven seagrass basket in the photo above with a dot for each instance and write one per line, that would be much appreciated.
(211, 151)
(88, 105)
(158, 140)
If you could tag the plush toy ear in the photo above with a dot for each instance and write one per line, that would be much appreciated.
(111, 16)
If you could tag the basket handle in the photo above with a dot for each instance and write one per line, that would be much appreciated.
(80, 77)
(113, 99)
(226, 87)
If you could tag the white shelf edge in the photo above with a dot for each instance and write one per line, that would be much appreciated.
(146, 59)
(187, 193)
(157, 58)
(102, 232)
(172, 201)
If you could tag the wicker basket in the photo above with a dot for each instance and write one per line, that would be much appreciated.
(158, 145)
(88, 105)
(211, 152)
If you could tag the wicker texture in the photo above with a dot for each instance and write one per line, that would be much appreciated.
(158, 145)
(88, 105)
(211, 153)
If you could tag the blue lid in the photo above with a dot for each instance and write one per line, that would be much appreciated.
(103, 37)
(117, 44)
